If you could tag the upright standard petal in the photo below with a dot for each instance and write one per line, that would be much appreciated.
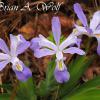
(98, 47)
(43, 52)
(61, 76)
(3, 46)
(15, 40)
(71, 39)
(78, 10)
(22, 46)
(24, 74)
(95, 22)
(73, 50)
(3, 64)
(56, 29)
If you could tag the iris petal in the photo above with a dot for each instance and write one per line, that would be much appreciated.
(95, 22)
(61, 76)
(98, 47)
(78, 10)
(3, 64)
(3, 46)
(35, 44)
(24, 74)
(73, 50)
(56, 29)
(46, 43)
(72, 39)
(43, 52)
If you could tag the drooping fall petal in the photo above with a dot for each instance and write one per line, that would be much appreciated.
(24, 74)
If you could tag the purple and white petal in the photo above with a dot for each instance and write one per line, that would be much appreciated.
(98, 47)
(56, 29)
(35, 44)
(3, 46)
(95, 22)
(61, 76)
(3, 64)
(73, 50)
(98, 27)
(4, 57)
(22, 47)
(46, 43)
(80, 14)
(24, 74)
(43, 52)
(15, 40)
(79, 42)
(71, 39)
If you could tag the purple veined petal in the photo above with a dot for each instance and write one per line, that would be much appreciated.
(35, 44)
(22, 47)
(73, 50)
(3, 46)
(46, 43)
(3, 64)
(61, 76)
(43, 52)
(71, 39)
(80, 14)
(98, 27)
(95, 22)
(4, 57)
(56, 29)
(98, 47)
(24, 74)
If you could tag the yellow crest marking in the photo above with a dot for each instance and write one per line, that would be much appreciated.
(19, 67)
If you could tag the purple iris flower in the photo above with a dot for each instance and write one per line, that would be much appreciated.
(92, 30)
(43, 47)
(18, 46)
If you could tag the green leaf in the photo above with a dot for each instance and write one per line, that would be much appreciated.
(88, 91)
(4, 96)
(93, 94)
(47, 85)
(76, 69)
(7, 87)
(26, 90)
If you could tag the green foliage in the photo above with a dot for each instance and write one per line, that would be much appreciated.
(76, 69)
(89, 90)
(49, 84)
(4, 96)
(26, 91)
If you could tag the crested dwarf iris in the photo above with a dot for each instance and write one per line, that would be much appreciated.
(17, 46)
(43, 47)
(92, 30)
